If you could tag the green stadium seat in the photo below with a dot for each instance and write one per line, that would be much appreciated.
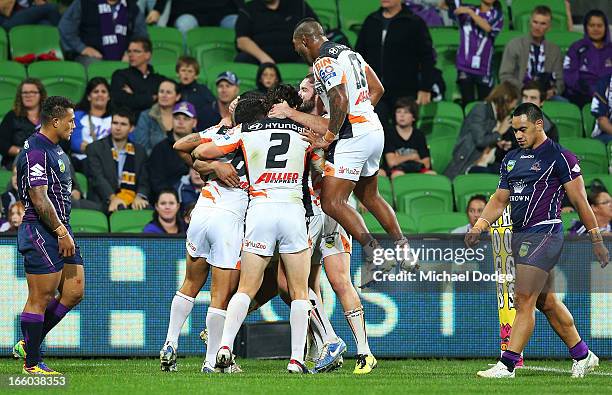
(3, 45)
(591, 152)
(559, 22)
(105, 69)
(605, 178)
(441, 222)
(566, 116)
(130, 221)
(563, 39)
(11, 75)
(61, 78)
(83, 183)
(246, 74)
(522, 9)
(5, 179)
(406, 222)
(609, 150)
(441, 151)
(5, 106)
(418, 194)
(449, 75)
(36, 39)
(385, 189)
(167, 44)
(326, 12)
(446, 42)
(470, 106)
(467, 185)
(351, 36)
(293, 73)
(353, 13)
(88, 221)
(440, 119)
(211, 45)
(568, 220)
(588, 120)
(168, 70)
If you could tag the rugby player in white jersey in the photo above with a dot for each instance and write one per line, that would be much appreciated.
(354, 138)
(334, 247)
(276, 158)
(214, 238)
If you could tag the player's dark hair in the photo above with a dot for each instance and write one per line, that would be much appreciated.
(250, 109)
(281, 93)
(542, 10)
(54, 107)
(308, 27)
(85, 104)
(532, 111)
(125, 112)
(409, 104)
(146, 43)
(482, 198)
(310, 77)
(535, 85)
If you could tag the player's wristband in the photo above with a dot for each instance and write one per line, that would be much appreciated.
(595, 235)
(329, 135)
(61, 237)
(61, 231)
(482, 224)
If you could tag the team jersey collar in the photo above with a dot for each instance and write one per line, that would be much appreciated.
(44, 138)
(542, 146)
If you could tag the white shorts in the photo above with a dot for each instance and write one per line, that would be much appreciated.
(355, 157)
(216, 235)
(335, 240)
(270, 223)
(315, 232)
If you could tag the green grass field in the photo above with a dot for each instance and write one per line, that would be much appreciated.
(136, 376)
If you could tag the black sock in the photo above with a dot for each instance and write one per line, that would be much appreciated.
(510, 359)
(32, 328)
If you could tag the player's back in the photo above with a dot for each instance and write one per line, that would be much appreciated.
(41, 162)
(338, 64)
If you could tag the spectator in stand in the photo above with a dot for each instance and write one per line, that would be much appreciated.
(478, 27)
(532, 57)
(19, 123)
(483, 126)
(188, 70)
(189, 188)
(28, 12)
(15, 217)
(136, 87)
(264, 30)
(165, 165)
(486, 162)
(100, 30)
(601, 204)
(532, 92)
(186, 15)
(397, 45)
(154, 125)
(474, 209)
(268, 77)
(405, 146)
(601, 108)
(11, 194)
(92, 119)
(166, 217)
(228, 87)
(588, 60)
(116, 168)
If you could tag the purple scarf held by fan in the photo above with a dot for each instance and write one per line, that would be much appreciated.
(113, 26)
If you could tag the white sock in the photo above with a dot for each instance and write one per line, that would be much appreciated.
(298, 319)
(356, 321)
(179, 311)
(237, 310)
(319, 319)
(215, 319)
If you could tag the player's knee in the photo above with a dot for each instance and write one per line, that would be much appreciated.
(340, 284)
(523, 302)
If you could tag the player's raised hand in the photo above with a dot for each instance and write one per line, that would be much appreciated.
(315, 140)
(601, 252)
(472, 237)
(227, 174)
(66, 245)
(280, 110)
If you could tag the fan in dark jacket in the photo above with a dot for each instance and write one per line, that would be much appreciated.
(397, 45)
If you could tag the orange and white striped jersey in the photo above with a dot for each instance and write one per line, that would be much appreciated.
(338, 64)
(215, 193)
(276, 159)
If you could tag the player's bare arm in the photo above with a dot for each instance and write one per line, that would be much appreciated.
(577, 196)
(207, 151)
(338, 108)
(491, 213)
(375, 86)
(188, 143)
(47, 214)
(316, 123)
(226, 172)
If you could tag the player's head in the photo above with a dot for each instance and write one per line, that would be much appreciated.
(528, 125)
(308, 94)
(282, 93)
(122, 123)
(601, 203)
(474, 208)
(250, 109)
(57, 116)
(307, 39)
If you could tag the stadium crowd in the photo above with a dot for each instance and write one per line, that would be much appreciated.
(126, 125)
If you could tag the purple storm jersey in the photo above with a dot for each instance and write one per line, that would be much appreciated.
(476, 46)
(535, 179)
(41, 162)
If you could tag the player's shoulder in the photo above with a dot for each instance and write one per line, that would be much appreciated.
(333, 50)
(513, 154)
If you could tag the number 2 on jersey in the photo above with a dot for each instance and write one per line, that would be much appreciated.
(276, 150)
(360, 77)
